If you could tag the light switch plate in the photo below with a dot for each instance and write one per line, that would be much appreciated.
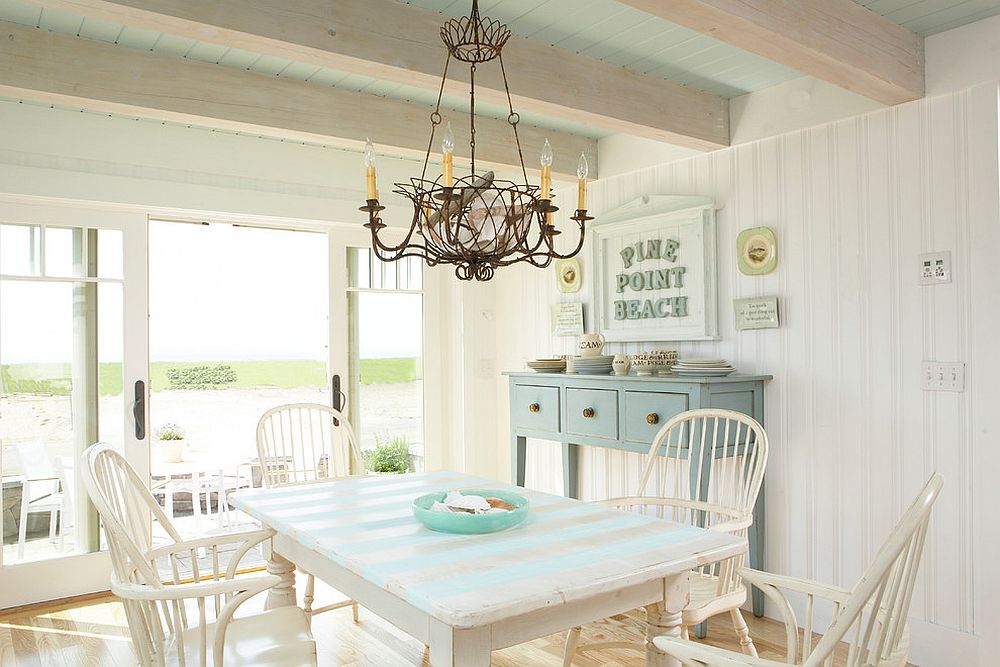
(935, 268)
(942, 376)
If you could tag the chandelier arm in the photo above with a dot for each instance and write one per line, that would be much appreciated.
(579, 247)
(436, 116)
(513, 118)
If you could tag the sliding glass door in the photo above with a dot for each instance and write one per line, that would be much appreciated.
(72, 348)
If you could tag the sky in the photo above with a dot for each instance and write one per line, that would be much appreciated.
(216, 292)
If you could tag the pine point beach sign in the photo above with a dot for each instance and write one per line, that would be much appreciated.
(656, 271)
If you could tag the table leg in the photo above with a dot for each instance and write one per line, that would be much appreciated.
(450, 647)
(518, 451)
(283, 594)
(571, 475)
(664, 618)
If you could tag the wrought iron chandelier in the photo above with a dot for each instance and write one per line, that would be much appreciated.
(476, 222)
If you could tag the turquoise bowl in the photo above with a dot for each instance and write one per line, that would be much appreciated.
(468, 524)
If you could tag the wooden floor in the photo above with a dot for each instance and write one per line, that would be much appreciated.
(93, 631)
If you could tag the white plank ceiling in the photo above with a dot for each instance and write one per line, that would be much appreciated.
(602, 29)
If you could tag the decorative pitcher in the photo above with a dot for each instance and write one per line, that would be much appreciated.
(591, 345)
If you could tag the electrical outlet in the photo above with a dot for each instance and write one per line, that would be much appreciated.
(942, 376)
(935, 268)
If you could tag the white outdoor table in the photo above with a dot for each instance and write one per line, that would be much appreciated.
(568, 564)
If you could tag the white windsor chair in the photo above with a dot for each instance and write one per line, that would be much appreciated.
(301, 443)
(872, 615)
(160, 613)
(705, 468)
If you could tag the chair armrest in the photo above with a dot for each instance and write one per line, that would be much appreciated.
(736, 525)
(826, 591)
(691, 653)
(251, 584)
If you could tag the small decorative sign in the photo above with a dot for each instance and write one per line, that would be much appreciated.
(655, 270)
(756, 313)
(567, 319)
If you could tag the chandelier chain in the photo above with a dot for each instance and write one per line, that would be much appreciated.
(436, 116)
(472, 115)
(513, 118)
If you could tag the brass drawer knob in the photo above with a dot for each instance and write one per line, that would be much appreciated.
(588, 412)
(652, 418)
(534, 407)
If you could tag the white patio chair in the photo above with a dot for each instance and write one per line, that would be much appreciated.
(704, 468)
(871, 617)
(302, 443)
(163, 623)
(43, 491)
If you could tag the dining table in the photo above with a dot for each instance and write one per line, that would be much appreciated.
(464, 595)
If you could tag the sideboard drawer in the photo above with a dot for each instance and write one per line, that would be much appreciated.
(536, 407)
(646, 412)
(592, 412)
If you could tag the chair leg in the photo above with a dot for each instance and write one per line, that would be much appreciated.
(307, 600)
(53, 521)
(572, 641)
(746, 643)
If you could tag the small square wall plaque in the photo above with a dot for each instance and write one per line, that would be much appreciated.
(756, 313)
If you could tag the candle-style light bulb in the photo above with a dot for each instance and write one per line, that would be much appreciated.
(582, 168)
(370, 170)
(447, 149)
(546, 154)
(546, 161)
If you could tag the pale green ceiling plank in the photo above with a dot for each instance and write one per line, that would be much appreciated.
(270, 65)
(173, 45)
(16, 11)
(300, 71)
(59, 21)
(102, 31)
(239, 58)
(209, 53)
(137, 38)
(327, 77)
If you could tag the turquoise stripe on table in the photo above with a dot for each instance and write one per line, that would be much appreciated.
(423, 595)
(425, 536)
(571, 538)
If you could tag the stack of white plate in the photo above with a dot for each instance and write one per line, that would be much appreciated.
(703, 368)
(547, 365)
(599, 365)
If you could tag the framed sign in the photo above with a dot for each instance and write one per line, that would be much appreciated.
(655, 270)
(567, 319)
(756, 313)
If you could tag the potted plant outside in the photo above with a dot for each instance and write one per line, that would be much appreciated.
(390, 456)
(172, 443)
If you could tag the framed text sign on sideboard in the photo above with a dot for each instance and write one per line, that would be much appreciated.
(656, 272)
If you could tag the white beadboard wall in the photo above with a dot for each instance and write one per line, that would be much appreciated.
(853, 436)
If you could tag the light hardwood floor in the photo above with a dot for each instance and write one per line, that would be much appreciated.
(92, 631)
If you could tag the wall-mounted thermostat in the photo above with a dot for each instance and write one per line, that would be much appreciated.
(935, 268)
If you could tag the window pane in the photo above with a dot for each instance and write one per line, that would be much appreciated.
(389, 275)
(51, 400)
(415, 269)
(109, 253)
(20, 250)
(63, 251)
(388, 372)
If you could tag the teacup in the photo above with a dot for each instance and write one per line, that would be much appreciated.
(591, 345)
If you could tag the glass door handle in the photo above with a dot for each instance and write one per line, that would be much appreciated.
(139, 410)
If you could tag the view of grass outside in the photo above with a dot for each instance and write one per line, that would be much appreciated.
(55, 379)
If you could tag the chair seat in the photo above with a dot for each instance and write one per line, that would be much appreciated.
(705, 602)
(278, 637)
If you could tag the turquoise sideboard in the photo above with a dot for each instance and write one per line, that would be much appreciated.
(623, 413)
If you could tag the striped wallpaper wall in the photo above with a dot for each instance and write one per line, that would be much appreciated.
(852, 203)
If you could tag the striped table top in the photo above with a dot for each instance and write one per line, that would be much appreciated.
(565, 550)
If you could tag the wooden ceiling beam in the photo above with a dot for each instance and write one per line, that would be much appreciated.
(839, 41)
(59, 69)
(391, 41)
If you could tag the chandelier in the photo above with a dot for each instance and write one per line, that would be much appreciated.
(476, 222)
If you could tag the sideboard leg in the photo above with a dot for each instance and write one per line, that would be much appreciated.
(571, 475)
(755, 536)
(518, 450)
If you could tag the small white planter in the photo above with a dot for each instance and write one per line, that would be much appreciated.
(171, 451)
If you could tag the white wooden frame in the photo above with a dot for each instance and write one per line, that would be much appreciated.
(647, 215)
(78, 574)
